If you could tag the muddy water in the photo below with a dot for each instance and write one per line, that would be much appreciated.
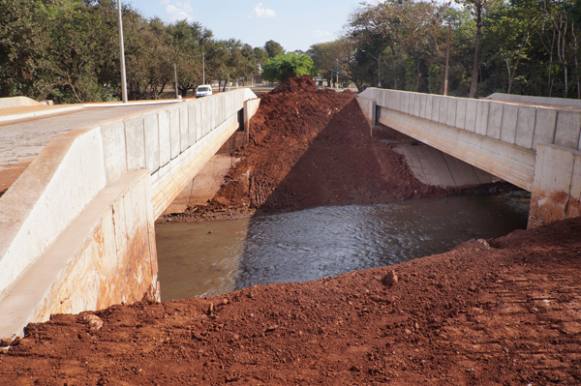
(217, 257)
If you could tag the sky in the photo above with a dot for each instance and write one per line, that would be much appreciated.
(296, 24)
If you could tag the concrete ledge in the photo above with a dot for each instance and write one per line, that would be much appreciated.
(18, 101)
(31, 112)
(534, 100)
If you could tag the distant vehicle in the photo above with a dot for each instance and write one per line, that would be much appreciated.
(203, 91)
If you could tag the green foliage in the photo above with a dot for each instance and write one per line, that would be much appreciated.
(285, 66)
(526, 46)
(67, 50)
(273, 49)
(332, 59)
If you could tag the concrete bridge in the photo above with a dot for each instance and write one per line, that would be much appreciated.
(85, 187)
(77, 220)
(530, 142)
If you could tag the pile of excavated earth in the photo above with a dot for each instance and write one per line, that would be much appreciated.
(310, 148)
(503, 311)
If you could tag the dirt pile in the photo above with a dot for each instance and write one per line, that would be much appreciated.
(502, 311)
(313, 147)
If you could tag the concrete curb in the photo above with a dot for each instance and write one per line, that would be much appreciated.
(49, 111)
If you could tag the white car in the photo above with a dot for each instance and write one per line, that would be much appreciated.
(203, 91)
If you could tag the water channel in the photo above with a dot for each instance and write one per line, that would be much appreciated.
(220, 256)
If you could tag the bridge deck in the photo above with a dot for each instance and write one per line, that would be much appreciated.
(21, 142)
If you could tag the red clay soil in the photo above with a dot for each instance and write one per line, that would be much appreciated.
(313, 147)
(503, 312)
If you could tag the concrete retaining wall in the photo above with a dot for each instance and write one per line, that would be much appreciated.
(81, 206)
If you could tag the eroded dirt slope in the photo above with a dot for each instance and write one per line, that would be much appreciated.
(506, 311)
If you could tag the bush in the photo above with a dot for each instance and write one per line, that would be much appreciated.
(285, 66)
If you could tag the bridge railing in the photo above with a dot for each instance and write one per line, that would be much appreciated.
(525, 125)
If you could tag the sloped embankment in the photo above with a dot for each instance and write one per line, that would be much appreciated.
(313, 147)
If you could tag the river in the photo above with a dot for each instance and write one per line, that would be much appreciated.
(220, 256)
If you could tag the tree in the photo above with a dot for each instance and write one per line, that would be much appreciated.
(479, 8)
(285, 66)
(273, 48)
(186, 41)
(333, 58)
(407, 36)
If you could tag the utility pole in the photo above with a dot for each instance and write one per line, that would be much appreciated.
(203, 67)
(122, 54)
(175, 74)
(337, 83)
(379, 71)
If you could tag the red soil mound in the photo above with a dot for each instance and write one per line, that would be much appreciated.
(303, 84)
(313, 147)
(504, 313)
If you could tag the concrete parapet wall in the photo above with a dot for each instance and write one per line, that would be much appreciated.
(534, 100)
(87, 177)
(521, 124)
(19, 101)
(169, 182)
(50, 194)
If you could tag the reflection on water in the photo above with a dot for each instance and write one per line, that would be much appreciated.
(217, 257)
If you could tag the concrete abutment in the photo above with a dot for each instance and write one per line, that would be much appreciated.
(556, 191)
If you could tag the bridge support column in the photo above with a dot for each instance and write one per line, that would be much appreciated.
(556, 192)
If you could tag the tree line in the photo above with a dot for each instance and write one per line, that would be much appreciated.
(465, 48)
(68, 51)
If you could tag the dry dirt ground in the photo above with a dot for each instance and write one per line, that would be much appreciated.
(497, 312)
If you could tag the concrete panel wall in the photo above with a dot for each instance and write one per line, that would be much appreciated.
(495, 120)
